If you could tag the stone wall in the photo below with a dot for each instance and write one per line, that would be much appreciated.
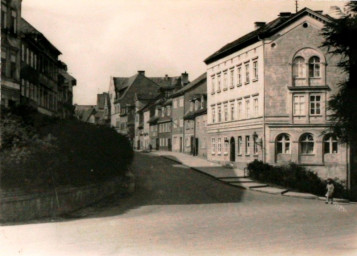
(23, 207)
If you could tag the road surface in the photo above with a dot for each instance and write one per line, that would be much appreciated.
(178, 211)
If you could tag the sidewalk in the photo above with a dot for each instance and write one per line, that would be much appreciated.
(234, 177)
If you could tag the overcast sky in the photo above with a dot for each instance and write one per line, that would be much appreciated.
(103, 38)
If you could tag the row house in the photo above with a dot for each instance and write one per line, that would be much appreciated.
(268, 93)
(122, 91)
(10, 52)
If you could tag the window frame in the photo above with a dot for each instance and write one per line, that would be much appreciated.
(284, 140)
(305, 143)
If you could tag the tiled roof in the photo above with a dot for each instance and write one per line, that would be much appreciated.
(202, 78)
(121, 83)
(166, 82)
(260, 33)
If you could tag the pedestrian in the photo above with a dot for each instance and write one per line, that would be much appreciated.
(330, 189)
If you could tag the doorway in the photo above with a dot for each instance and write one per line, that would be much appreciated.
(232, 156)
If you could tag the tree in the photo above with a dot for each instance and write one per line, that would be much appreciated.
(340, 39)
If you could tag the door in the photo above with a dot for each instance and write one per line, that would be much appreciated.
(232, 157)
(169, 144)
(180, 144)
(196, 147)
(157, 144)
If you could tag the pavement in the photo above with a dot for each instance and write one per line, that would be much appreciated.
(178, 211)
(233, 176)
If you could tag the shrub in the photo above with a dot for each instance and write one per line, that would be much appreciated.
(38, 152)
(293, 176)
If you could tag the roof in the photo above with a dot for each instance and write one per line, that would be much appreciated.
(166, 82)
(202, 78)
(121, 83)
(262, 32)
(27, 29)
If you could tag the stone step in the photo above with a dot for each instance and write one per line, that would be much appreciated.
(269, 190)
(248, 185)
(236, 179)
(300, 195)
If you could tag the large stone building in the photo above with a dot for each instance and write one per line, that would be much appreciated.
(268, 93)
(10, 52)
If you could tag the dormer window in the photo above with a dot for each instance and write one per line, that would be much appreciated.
(197, 105)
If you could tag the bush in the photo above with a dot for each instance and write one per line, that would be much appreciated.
(292, 176)
(38, 152)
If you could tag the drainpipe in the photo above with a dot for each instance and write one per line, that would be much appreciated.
(348, 166)
(264, 130)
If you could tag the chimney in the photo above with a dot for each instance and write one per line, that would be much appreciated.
(259, 24)
(184, 78)
(166, 77)
(285, 14)
(141, 72)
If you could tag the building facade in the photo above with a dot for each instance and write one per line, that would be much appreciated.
(10, 52)
(268, 93)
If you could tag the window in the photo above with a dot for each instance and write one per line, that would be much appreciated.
(181, 122)
(13, 21)
(232, 78)
(219, 113)
(181, 102)
(232, 111)
(213, 141)
(255, 70)
(240, 145)
(247, 73)
(239, 75)
(225, 145)
(315, 104)
(255, 144)
(255, 107)
(168, 110)
(219, 146)
(213, 84)
(3, 16)
(307, 143)
(22, 87)
(239, 109)
(330, 144)
(299, 67)
(225, 81)
(22, 52)
(299, 105)
(314, 67)
(163, 112)
(225, 112)
(247, 145)
(213, 114)
(283, 144)
(175, 103)
(218, 83)
(3, 62)
(247, 108)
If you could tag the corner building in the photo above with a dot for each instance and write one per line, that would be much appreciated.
(268, 95)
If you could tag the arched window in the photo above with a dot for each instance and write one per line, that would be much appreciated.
(283, 144)
(307, 143)
(299, 67)
(314, 67)
(330, 144)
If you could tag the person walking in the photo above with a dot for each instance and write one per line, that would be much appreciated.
(330, 189)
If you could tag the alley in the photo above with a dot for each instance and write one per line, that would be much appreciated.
(178, 211)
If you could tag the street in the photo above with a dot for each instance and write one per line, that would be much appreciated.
(178, 211)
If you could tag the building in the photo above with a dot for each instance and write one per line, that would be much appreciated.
(122, 91)
(10, 52)
(65, 92)
(85, 113)
(102, 108)
(268, 93)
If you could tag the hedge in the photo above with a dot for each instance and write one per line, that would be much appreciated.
(292, 176)
(38, 152)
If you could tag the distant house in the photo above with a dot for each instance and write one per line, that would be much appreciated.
(103, 109)
(85, 113)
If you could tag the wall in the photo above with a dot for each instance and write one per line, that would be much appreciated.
(26, 207)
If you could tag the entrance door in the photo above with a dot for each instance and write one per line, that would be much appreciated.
(169, 144)
(157, 144)
(180, 144)
(232, 157)
(196, 147)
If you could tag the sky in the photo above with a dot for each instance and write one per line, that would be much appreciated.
(103, 38)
